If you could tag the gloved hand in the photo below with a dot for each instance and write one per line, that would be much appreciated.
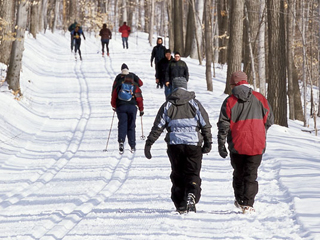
(206, 147)
(114, 109)
(141, 113)
(151, 64)
(147, 149)
(222, 151)
(84, 38)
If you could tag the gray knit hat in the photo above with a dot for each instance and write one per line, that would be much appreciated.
(179, 82)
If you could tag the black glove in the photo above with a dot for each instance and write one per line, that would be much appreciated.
(222, 151)
(206, 147)
(114, 109)
(147, 149)
(141, 113)
(151, 64)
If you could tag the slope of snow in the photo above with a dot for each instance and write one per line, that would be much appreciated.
(56, 182)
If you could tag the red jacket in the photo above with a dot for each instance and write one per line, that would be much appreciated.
(244, 120)
(125, 30)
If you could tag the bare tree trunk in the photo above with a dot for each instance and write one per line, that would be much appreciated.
(170, 25)
(178, 27)
(319, 59)
(124, 11)
(190, 30)
(304, 55)
(236, 36)
(55, 16)
(223, 30)
(277, 64)
(196, 49)
(151, 14)
(290, 58)
(208, 37)
(261, 49)
(44, 14)
(13, 75)
(6, 36)
(250, 50)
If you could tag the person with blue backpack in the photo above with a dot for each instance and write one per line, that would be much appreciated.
(126, 97)
(76, 36)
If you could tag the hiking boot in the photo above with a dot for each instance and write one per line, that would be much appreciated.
(191, 203)
(182, 209)
(248, 210)
(133, 149)
(108, 53)
(121, 147)
(102, 53)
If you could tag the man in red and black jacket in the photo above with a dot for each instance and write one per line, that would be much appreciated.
(245, 117)
(127, 110)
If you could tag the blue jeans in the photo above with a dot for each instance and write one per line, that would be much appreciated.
(125, 42)
(167, 90)
(127, 123)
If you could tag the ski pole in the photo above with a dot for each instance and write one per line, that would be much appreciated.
(109, 132)
(142, 136)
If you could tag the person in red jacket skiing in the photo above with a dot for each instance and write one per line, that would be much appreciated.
(244, 119)
(125, 31)
(125, 104)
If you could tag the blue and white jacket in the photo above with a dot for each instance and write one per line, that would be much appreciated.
(185, 119)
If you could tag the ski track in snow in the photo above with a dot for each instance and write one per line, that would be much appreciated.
(60, 184)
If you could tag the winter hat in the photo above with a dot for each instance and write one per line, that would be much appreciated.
(124, 69)
(167, 51)
(238, 78)
(179, 82)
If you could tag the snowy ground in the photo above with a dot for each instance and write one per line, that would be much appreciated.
(56, 182)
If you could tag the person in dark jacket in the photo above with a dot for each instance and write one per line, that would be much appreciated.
(106, 35)
(70, 29)
(188, 137)
(245, 117)
(157, 54)
(161, 69)
(125, 31)
(127, 110)
(176, 68)
(76, 35)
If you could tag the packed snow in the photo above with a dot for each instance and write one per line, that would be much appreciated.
(56, 182)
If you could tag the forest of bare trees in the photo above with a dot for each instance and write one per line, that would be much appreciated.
(276, 42)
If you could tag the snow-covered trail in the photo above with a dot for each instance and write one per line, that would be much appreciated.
(56, 182)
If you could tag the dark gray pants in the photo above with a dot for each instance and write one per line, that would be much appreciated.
(245, 175)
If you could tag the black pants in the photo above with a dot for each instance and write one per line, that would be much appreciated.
(105, 42)
(245, 175)
(185, 172)
(77, 44)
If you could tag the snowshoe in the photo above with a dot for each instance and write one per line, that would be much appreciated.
(121, 148)
(191, 203)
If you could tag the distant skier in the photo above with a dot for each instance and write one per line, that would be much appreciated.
(188, 137)
(244, 119)
(125, 31)
(126, 97)
(157, 54)
(76, 35)
(70, 29)
(106, 35)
